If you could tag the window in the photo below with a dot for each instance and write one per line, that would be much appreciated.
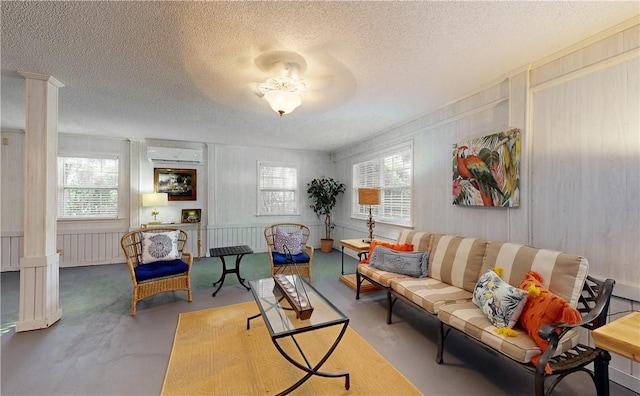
(87, 187)
(390, 171)
(277, 190)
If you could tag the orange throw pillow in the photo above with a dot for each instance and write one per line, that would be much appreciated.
(406, 247)
(543, 308)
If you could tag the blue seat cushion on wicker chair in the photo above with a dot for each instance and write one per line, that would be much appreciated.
(159, 269)
(280, 259)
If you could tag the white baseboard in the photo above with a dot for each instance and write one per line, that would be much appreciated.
(624, 379)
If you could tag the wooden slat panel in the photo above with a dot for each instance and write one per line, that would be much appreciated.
(6, 254)
(16, 247)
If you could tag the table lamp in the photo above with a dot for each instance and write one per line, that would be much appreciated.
(154, 200)
(369, 196)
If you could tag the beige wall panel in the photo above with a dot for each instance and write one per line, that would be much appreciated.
(518, 218)
(12, 157)
(585, 181)
(581, 58)
(11, 252)
(632, 38)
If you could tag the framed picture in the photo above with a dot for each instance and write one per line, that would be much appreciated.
(179, 184)
(486, 170)
(191, 215)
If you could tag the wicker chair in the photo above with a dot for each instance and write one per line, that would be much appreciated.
(279, 261)
(161, 276)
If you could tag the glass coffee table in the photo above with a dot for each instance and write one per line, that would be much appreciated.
(282, 323)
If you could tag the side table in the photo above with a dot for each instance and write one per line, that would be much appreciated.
(621, 336)
(221, 252)
(361, 248)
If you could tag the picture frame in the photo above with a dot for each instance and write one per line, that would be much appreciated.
(179, 184)
(486, 170)
(191, 215)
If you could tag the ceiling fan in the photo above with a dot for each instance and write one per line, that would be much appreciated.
(240, 78)
(285, 78)
(284, 90)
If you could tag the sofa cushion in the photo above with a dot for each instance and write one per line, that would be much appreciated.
(160, 269)
(562, 273)
(159, 246)
(500, 302)
(280, 259)
(379, 276)
(468, 318)
(429, 293)
(408, 263)
(456, 260)
(400, 247)
(421, 241)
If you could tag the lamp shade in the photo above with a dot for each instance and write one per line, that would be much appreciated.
(369, 196)
(283, 102)
(155, 199)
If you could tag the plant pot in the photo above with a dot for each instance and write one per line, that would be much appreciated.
(326, 245)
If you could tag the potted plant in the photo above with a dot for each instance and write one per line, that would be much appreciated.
(323, 192)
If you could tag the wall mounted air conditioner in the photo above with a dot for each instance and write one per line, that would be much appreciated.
(171, 154)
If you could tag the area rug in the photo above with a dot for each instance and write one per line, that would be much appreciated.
(214, 354)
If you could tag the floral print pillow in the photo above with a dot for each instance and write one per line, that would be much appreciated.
(500, 302)
(159, 246)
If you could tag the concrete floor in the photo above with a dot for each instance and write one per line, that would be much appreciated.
(97, 348)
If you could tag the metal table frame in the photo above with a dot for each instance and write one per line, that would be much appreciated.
(270, 304)
(238, 251)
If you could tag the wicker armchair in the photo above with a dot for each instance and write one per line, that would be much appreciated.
(279, 261)
(160, 276)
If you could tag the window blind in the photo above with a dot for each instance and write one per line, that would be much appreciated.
(87, 187)
(278, 189)
(392, 173)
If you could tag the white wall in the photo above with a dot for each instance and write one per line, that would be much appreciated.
(226, 194)
(233, 219)
(580, 171)
(79, 242)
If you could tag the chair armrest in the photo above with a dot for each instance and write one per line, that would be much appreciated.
(308, 250)
(187, 258)
(595, 317)
(131, 267)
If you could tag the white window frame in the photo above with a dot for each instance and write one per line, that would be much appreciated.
(291, 188)
(375, 178)
(62, 188)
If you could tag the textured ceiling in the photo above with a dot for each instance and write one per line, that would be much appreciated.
(188, 70)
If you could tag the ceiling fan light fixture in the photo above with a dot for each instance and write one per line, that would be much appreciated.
(282, 93)
(283, 102)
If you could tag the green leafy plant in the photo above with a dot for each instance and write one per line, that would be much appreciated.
(324, 193)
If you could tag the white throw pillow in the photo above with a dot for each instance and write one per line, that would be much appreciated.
(159, 246)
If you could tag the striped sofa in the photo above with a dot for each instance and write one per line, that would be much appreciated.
(455, 264)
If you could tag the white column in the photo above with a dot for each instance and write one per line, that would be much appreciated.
(39, 266)
(138, 157)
